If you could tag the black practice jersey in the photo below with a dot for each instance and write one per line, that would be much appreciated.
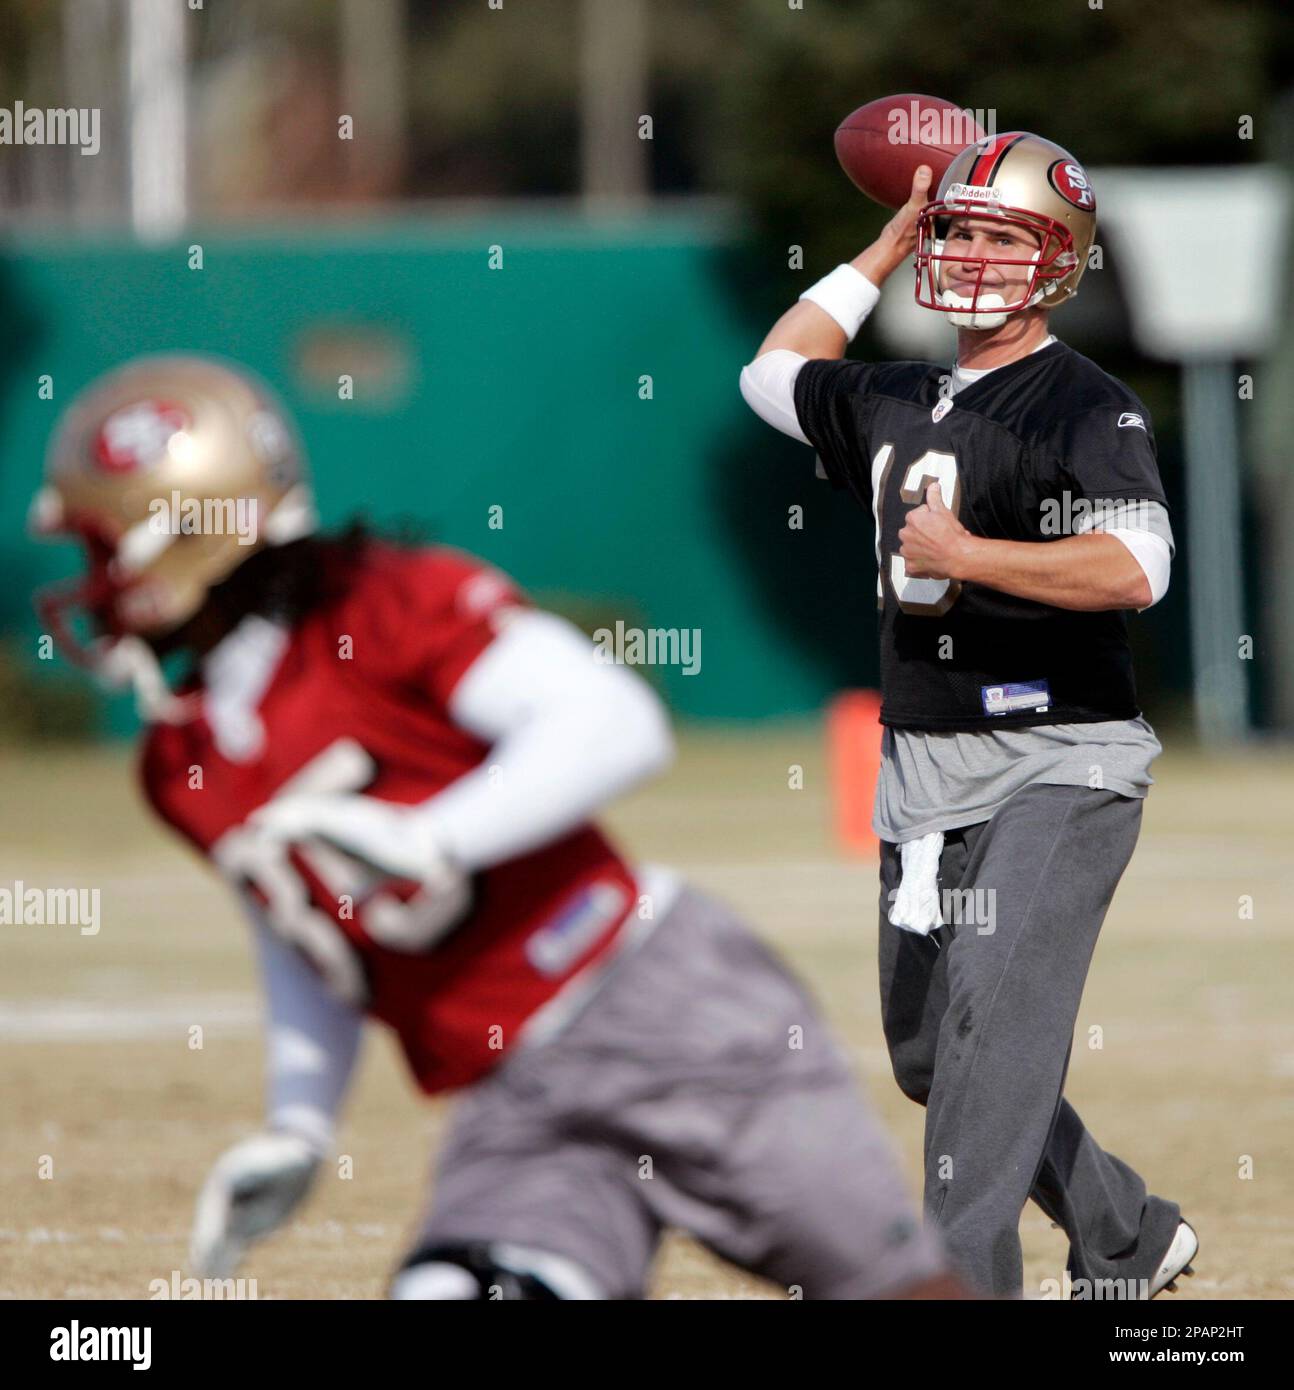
(1022, 454)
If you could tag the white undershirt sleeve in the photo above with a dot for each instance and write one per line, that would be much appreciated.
(847, 296)
(1144, 528)
(768, 387)
(1151, 552)
(312, 1042)
(568, 733)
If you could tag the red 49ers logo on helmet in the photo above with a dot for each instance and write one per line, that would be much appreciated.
(136, 436)
(1069, 180)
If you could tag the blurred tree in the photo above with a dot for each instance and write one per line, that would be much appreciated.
(744, 94)
(1154, 83)
(494, 98)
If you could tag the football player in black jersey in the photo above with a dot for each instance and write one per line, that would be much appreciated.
(1018, 515)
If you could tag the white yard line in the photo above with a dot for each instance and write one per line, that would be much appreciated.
(93, 1020)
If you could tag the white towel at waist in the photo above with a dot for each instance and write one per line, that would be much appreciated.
(916, 900)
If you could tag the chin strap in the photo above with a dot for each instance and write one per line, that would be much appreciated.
(130, 661)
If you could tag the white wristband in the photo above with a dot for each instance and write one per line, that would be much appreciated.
(847, 295)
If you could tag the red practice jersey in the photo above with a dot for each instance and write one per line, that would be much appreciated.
(358, 702)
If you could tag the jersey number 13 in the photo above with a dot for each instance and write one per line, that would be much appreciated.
(926, 598)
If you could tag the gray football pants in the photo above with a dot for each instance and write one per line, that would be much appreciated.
(979, 1021)
(699, 1089)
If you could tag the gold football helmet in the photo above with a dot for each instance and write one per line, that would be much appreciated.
(171, 471)
(1025, 181)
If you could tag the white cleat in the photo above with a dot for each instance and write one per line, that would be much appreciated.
(1177, 1261)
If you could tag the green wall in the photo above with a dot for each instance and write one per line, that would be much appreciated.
(516, 387)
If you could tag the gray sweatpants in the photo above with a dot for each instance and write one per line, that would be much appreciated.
(699, 1089)
(979, 1021)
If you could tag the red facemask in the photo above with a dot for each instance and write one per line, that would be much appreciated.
(1054, 259)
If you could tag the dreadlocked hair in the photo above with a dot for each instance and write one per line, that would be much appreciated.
(285, 583)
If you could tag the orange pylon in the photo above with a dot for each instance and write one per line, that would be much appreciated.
(854, 754)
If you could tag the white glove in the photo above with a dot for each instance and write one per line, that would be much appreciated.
(251, 1190)
(395, 841)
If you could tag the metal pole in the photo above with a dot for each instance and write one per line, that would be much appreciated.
(613, 98)
(90, 56)
(374, 46)
(158, 118)
(1273, 406)
(1214, 551)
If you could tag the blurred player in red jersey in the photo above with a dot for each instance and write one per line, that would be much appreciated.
(392, 758)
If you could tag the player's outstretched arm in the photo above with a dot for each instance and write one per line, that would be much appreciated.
(567, 734)
(827, 316)
(311, 1045)
(312, 1041)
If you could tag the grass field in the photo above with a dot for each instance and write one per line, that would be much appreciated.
(102, 1090)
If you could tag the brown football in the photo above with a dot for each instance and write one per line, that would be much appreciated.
(881, 145)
